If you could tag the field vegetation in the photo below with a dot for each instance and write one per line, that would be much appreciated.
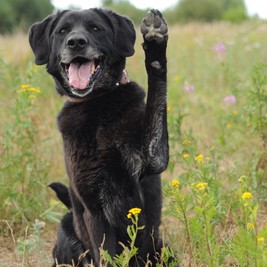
(215, 201)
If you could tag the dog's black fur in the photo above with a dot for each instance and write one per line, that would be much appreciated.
(68, 248)
(115, 145)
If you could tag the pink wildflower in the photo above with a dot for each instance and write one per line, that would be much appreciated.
(230, 99)
(189, 87)
(220, 48)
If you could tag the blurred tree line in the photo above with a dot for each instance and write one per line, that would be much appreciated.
(21, 14)
(188, 10)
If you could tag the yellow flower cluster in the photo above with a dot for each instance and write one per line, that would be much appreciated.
(247, 195)
(201, 186)
(133, 211)
(185, 155)
(175, 183)
(250, 226)
(199, 159)
(27, 88)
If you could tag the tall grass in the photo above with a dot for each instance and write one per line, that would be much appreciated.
(215, 198)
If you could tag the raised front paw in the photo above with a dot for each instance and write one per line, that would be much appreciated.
(154, 27)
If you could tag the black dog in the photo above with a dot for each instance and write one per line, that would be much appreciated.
(115, 145)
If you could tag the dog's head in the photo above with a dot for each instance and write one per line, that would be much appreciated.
(84, 50)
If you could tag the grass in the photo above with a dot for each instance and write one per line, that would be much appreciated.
(215, 201)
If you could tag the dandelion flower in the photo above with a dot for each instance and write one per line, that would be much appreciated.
(133, 211)
(185, 155)
(199, 158)
(175, 183)
(201, 186)
(246, 195)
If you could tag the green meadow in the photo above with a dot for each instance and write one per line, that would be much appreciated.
(215, 188)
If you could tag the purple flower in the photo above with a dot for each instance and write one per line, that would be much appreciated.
(230, 99)
(220, 48)
(189, 87)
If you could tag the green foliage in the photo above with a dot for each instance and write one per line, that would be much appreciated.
(195, 10)
(29, 242)
(22, 13)
(23, 169)
(207, 11)
(127, 9)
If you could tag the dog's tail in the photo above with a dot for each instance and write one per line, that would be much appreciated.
(62, 193)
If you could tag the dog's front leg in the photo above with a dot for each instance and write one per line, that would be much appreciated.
(155, 139)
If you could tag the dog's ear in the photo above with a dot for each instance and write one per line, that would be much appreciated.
(39, 35)
(39, 39)
(126, 37)
(124, 33)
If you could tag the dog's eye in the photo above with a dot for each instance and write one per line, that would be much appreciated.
(62, 31)
(94, 28)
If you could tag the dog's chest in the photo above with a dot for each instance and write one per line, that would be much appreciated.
(99, 139)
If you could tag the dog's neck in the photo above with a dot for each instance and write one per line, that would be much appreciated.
(124, 80)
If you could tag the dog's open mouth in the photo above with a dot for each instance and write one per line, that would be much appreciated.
(82, 74)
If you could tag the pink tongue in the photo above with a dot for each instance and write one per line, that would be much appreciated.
(79, 74)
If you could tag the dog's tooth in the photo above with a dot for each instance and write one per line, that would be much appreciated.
(93, 69)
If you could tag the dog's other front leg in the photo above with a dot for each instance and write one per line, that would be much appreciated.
(155, 139)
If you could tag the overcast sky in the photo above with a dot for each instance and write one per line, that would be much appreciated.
(258, 7)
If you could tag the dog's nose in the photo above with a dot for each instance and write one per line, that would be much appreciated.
(76, 42)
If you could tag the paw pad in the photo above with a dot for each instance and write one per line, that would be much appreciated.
(154, 27)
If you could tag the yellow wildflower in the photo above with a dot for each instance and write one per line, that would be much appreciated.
(261, 239)
(133, 211)
(24, 86)
(34, 90)
(246, 195)
(176, 78)
(199, 158)
(169, 109)
(250, 226)
(228, 125)
(175, 183)
(185, 155)
(201, 186)
(186, 142)
(235, 112)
